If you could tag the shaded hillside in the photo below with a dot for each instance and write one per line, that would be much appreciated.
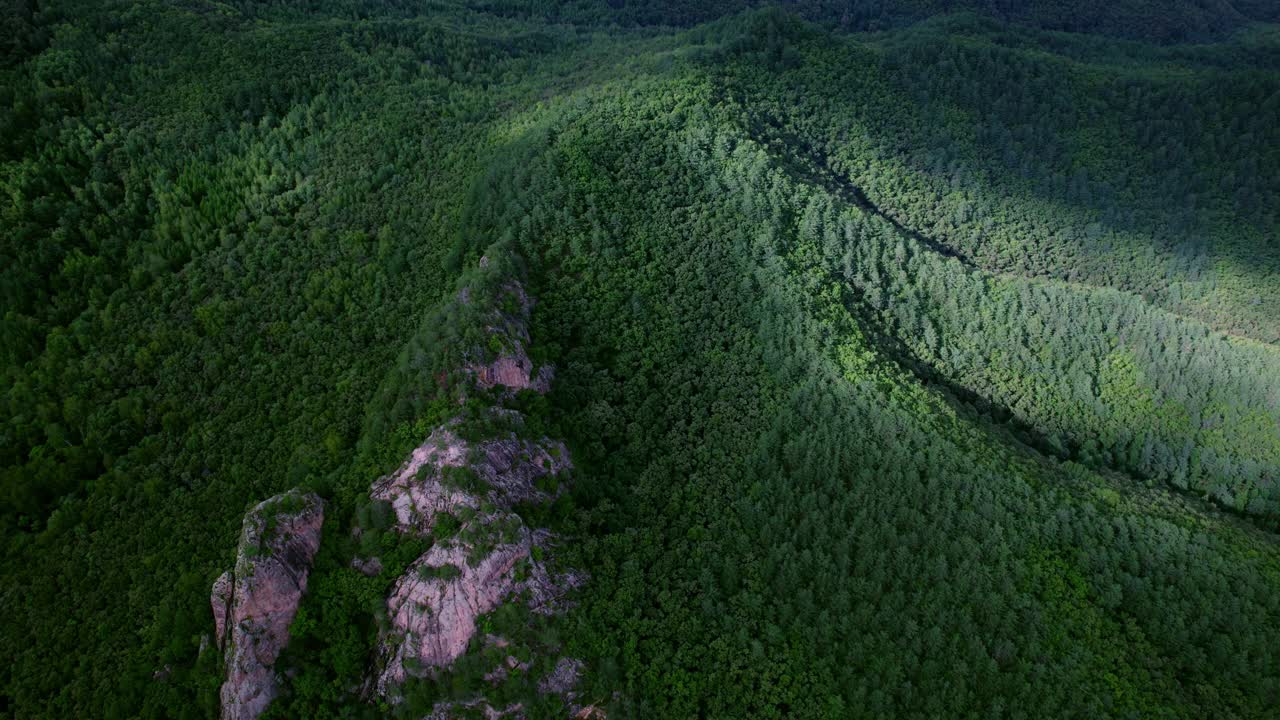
(1151, 20)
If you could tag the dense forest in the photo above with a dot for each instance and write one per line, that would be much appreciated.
(916, 359)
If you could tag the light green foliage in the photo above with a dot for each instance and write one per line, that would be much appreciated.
(928, 372)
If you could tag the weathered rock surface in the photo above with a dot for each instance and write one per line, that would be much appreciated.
(588, 712)
(435, 616)
(220, 598)
(433, 608)
(432, 612)
(493, 557)
(514, 711)
(563, 679)
(513, 370)
(509, 665)
(254, 604)
(417, 492)
(509, 467)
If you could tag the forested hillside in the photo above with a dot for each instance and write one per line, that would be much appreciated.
(915, 359)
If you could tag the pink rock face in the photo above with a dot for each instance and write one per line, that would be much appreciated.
(435, 617)
(433, 614)
(277, 544)
(509, 467)
(513, 371)
(416, 492)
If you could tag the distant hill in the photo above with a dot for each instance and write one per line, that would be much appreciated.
(1152, 20)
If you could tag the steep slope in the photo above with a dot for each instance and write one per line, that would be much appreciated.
(779, 496)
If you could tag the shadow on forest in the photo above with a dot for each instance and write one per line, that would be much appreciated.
(994, 416)
(1162, 225)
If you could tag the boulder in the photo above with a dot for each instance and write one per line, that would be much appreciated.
(369, 567)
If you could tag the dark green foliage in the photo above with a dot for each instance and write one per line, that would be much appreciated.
(206, 271)
(444, 572)
(892, 365)
(1163, 21)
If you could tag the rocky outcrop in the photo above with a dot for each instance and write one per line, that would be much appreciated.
(254, 604)
(418, 492)
(513, 370)
(509, 665)
(369, 567)
(509, 335)
(510, 468)
(562, 680)
(514, 711)
(220, 598)
(486, 555)
(506, 470)
(433, 608)
(435, 605)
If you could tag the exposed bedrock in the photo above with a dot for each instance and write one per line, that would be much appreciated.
(254, 603)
